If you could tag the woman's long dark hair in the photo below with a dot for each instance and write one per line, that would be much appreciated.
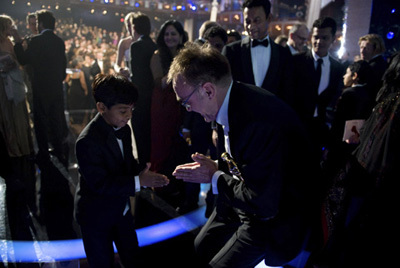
(165, 53)
(391, 78)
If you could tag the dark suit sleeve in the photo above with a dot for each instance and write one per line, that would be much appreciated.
(101, 171)
(232, 53)
(286, 84)
(22, 56)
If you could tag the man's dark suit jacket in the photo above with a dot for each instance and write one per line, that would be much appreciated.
(378, 65)
(354, 103)
(95, 68)
(106, 178)
(141, 52)
(278, 79)
(270, 149)
(46, 55)
(306, 93)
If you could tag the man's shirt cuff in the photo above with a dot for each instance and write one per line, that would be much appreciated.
(137, 184)
(214, 181)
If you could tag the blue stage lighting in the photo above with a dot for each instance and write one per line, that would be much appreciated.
(64, 250)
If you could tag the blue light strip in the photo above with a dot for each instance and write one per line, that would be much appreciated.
(171, 228)
(63, 250)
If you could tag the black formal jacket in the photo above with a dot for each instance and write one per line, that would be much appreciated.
(354, 103)
(46, 55)
(278, 79)
(106, 178)
(306, 92)
(141, 52)
(378, 65)
(270, 147)
(95, 68)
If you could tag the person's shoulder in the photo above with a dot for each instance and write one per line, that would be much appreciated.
(35, 38)
(95, 131)
(124, 43)
(263, 101)
(239, 43)
(349, 91)
(334, 60)
(283, 52)
(144, 42)
(304, 54)
(235, 43)
(378, 61)
(252, 90)
(6, 46)
(232, 49)
(303, 58)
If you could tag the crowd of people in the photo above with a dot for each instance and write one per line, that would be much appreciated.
(309, 142)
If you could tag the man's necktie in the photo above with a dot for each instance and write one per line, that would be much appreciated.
(227, 142)
(256, 42)
(318, 71)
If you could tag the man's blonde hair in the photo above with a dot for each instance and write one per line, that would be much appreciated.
(376, 41)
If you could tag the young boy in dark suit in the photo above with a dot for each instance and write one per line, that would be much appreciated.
(109, 175)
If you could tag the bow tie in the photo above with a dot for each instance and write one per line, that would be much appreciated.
(122, 132)
(256, 42)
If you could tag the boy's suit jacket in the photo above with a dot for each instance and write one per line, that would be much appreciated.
(106, 177)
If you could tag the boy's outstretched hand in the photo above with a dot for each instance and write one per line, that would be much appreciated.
(151, 179)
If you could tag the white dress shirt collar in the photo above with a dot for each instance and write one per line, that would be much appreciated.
(45, 30)
(222, 116)
(325, 59)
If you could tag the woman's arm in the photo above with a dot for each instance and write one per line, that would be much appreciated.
(157, 70)
(83, 82)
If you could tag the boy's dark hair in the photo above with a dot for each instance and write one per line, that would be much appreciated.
(266, 4)
(363, 70)
(326, 22)
(46, 18)
(234, 33)
(142, 23)
(216, 31)
(112, 89)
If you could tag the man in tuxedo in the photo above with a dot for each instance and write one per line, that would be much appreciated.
(318, 88)
(97, 64)
(257, 59)
(372, 48)
(142, 50)
(46, 54)
(263, 209)
(297, 39)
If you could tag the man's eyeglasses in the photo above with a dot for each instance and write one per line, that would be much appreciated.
(301, 38)
(184, 103)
